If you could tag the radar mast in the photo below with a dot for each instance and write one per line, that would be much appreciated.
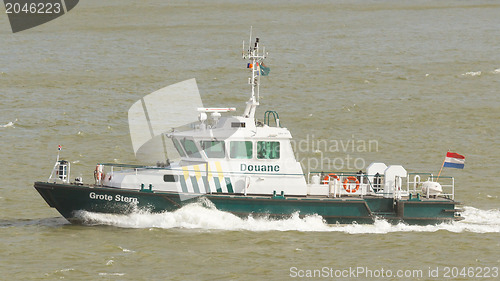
(256, 57)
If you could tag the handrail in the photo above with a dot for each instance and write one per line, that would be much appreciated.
(123, 165)
(449, 182)
(364, 181)
(267, 117)
(132, 166)
(412, 179)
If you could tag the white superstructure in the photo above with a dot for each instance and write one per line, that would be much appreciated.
(241, 155)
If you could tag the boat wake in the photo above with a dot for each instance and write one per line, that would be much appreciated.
(199, 216)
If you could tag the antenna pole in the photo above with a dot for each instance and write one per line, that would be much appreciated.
(250, 39)
(255, 57)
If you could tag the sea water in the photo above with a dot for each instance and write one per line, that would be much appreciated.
(410, 80)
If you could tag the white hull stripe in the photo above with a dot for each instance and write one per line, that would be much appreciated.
(454, 160)
(206, 184)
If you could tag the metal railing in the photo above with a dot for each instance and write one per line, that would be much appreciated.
(415, 181)
(274, 114)
(375, 184)
(335, 180)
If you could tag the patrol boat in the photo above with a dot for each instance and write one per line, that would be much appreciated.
(247, 167)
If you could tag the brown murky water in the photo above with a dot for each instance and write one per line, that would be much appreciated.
(418, 78)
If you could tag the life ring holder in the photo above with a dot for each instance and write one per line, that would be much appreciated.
(348, 181)
(99, 175)
(330, 175)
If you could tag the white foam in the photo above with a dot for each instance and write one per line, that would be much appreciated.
(10, 124)
(198, 216)
(65, 270)
(126, 250)
(111, 274)
(472, 73)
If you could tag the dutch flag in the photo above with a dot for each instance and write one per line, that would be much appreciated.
(454, 160)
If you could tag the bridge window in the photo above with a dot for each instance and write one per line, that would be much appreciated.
(170, 178)
(268, 150)
(178, 147)
(191, 149)
(213, 149)
(238, 125)
(241, 149)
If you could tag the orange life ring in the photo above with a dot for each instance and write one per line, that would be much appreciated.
(330, 175)
(348, 180)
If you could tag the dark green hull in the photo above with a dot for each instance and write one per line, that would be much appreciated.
(68, 199)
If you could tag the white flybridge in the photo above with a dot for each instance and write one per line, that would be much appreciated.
(243, 166)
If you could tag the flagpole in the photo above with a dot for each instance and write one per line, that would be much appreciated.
(58, 152)
(442, 165)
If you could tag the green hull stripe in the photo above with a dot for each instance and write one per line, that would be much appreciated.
(205, 182)
(217, 185)
(196, 189)
(183, 184)
(229, 185)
